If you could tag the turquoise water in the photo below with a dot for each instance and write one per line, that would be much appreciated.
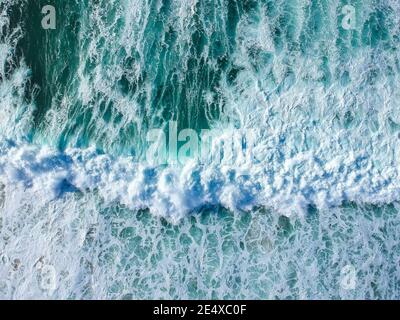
(314, 214)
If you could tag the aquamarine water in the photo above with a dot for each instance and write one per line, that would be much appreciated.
(314, 215)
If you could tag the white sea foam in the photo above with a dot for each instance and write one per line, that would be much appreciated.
(69, 227)
(286, 99)
(288, 184)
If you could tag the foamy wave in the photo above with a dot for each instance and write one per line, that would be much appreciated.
(290, 185)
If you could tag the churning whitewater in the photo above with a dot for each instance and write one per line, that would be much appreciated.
(312, 214)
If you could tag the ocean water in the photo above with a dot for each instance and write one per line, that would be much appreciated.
(313, 214)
